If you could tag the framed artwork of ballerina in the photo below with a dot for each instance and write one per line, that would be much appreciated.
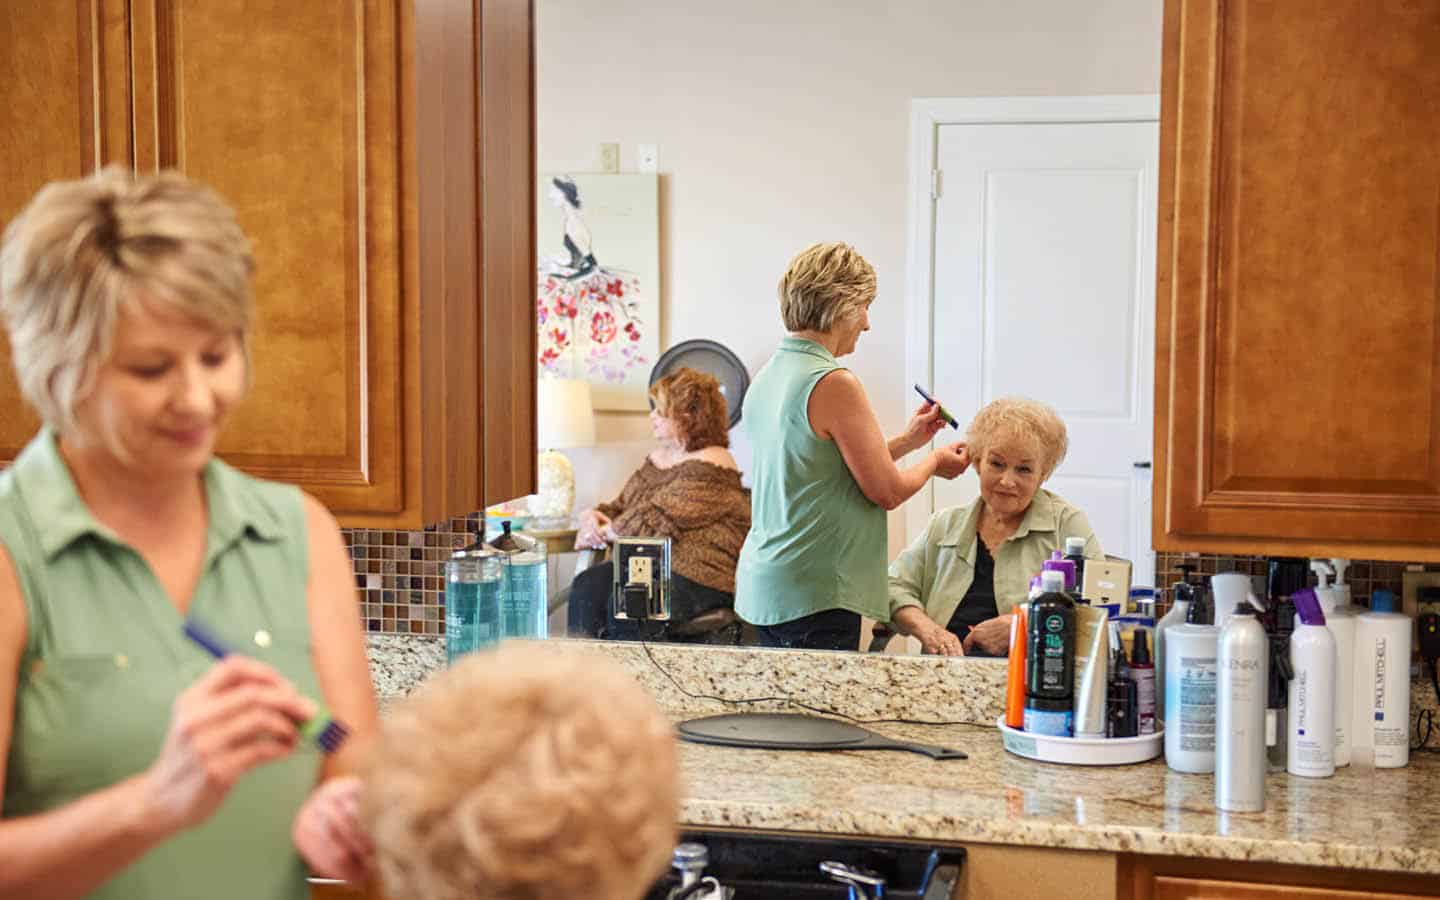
(598, 283)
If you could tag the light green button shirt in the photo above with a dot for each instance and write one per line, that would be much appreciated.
(816, 542)
(936, 570)
(105, 659)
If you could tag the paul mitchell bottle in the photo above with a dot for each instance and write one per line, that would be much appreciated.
(1243, 661)
(1050, 660)
(1311, 747)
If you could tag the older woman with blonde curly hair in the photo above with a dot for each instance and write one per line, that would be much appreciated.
(973, 564)
(688, 490)
(825, 475)
(524, 774)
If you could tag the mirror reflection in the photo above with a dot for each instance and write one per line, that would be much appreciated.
(798, 225)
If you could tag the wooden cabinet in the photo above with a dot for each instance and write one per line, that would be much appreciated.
(380, 154)
(1298, 324)
(1173, 878)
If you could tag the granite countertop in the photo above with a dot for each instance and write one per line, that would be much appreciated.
(1362, 818)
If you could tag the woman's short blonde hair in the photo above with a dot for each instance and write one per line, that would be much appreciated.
(81, 251)
(1033, 424)
(825, 284)
(523, 773)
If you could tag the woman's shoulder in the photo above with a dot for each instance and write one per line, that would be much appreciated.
(715, 456)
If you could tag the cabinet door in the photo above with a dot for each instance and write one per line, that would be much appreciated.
(1298, 328)
(290, 111)
(66, 112)
(1202, 889)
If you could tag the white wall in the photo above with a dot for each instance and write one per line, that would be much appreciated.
(784, 122)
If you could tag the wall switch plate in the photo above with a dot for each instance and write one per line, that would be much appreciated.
(648, 158)
(610, 158)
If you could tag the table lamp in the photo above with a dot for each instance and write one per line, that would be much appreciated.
(566, 419)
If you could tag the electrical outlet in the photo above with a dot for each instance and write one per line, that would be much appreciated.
(640, 572)
(610, 158)
(1411, 583)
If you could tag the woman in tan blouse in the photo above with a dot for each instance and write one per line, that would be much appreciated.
(688, 490)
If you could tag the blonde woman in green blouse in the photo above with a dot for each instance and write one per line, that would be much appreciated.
(954, 587)
(133, 765)
(824, 473)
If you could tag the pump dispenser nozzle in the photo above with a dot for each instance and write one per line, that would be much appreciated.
(1341, 565)
(1323, 572)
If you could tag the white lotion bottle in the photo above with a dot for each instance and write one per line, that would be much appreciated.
(1182, 592)
(1190, 682)
(1341, 622)
(1310, 751)
(1243, 661)
(1381, 713)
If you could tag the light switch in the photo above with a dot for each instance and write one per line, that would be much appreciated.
(610, 158)
(648, 158)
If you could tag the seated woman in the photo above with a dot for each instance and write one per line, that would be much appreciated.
(973, 564)
(502, 777)
(688, 490)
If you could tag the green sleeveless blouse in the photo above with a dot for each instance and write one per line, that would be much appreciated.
(816, 542)
(105, 659)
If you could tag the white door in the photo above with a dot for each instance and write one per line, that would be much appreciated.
(1044, 286)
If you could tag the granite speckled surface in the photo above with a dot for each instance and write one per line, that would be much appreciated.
(1362, 818)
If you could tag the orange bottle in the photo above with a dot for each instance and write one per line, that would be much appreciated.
(1015, 672)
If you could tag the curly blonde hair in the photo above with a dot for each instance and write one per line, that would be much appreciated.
(1034, 424)
(825, 284)
(524, 774)
(694, 401)
(82, 250)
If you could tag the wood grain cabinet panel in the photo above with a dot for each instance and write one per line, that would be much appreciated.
(1298, 329)
(384, 170)
(1201, 889)
(66, 112)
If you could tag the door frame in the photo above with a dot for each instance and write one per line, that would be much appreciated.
(927, 114)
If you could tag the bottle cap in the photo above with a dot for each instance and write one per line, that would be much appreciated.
(1184, 591)
(1307, 607)
(1382, 600)
(1140, 647)
(1052, 581)
(1074, 546)
(1250, 606)
(1064, 566)
(1035, 584)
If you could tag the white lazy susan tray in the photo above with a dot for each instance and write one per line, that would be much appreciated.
(1082, 751)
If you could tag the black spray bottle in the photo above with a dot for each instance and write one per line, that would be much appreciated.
(1050, 659)
(1122, 701)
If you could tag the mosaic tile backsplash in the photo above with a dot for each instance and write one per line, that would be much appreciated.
(401, 574)
(1364, 576)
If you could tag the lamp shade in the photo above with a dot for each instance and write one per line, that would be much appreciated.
(566, 415)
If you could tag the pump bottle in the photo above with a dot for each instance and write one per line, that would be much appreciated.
(1341, 622)
(1182, 592)
(1190, 690)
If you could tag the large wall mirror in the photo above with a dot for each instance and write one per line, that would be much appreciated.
(763, 127)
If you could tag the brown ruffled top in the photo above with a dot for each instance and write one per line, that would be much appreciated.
(700, 506)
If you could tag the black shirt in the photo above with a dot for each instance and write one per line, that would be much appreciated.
(978, 604)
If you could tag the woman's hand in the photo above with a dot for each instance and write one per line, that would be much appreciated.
(940, 641)
(923, 425)
(241, 714)
(595, 531)
(992, 635)
(951, 461)
(328, 833)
